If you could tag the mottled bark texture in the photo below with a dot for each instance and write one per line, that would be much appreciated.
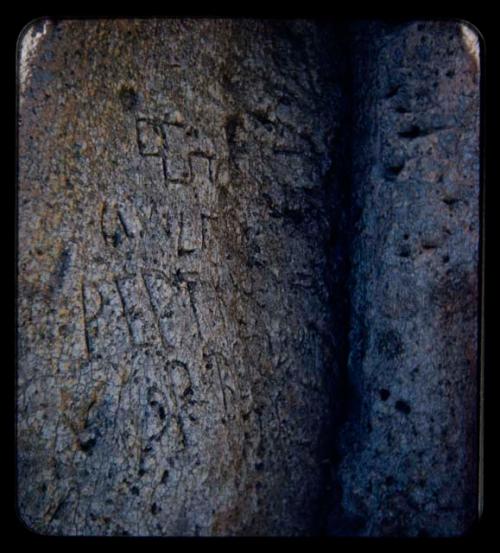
(247, 287)
(408, 449)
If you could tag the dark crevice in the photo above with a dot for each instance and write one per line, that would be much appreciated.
(402, 407)
(393, 91)
(414, 131)
(349, 421)
(343, 394)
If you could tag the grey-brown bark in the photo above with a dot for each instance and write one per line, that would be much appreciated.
(188, 197)
(174, 336)
(409, 446)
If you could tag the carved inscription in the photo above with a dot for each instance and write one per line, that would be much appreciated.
(202, 181)
(103, 315)
(143, 310)
(176, 167)
(120, 225)
(149, 137)
(187, 161)
(183, 386)
(161, 295)
(140, 321)
(150, 307)
(190, 236)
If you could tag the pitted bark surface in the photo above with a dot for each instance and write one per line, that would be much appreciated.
(409, 446)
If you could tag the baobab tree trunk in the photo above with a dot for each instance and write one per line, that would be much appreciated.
(200, 231)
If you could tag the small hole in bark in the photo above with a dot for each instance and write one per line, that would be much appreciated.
(412, 132)
(404, 251)
(401, 109)
(394, 170)
(231, 128)
(384, 394)
(393, 91)
(128, 98)
(117, 239)
(403, 407)
(87, 445)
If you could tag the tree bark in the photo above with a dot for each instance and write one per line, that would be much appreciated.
(408, 448)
